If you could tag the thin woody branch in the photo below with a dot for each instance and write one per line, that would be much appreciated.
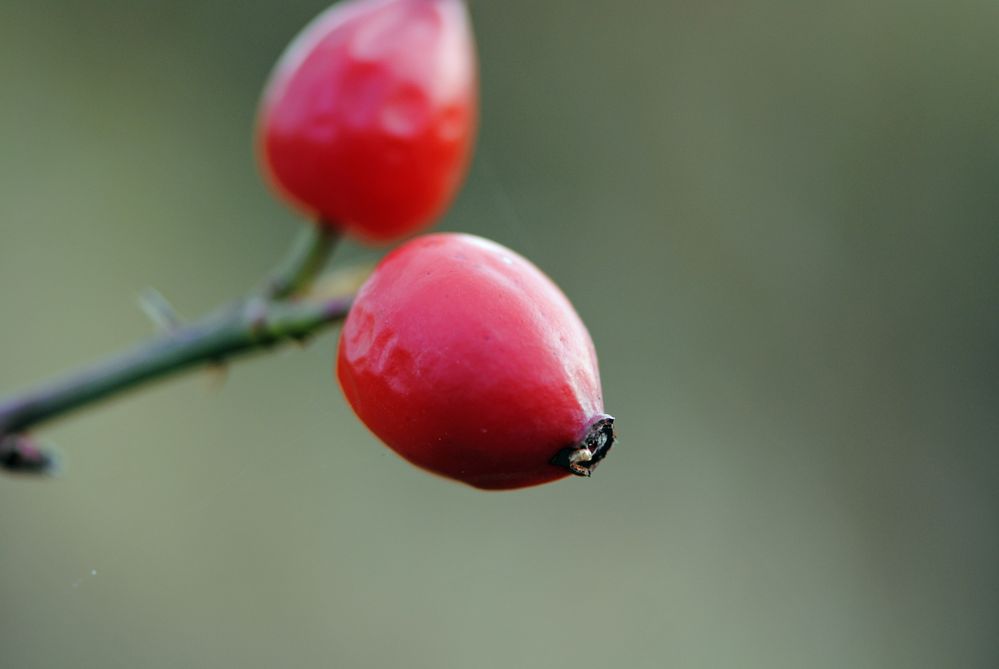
(254, 323)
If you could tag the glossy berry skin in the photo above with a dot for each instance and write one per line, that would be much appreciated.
(369, 118)
(468, 361)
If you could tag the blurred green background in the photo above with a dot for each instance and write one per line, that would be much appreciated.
(780, 221)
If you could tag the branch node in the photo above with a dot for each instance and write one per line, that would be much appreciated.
(19, 454)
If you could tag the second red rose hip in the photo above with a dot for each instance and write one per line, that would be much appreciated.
(368, 121)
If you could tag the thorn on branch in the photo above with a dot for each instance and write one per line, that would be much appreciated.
(159, 310)
(301, 338)
(218, 374)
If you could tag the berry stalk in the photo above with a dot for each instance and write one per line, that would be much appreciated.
(259, 321)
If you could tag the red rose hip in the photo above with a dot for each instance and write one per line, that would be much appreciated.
(369, 118)
(468, 361)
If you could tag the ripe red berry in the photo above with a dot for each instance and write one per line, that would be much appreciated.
(468, 361)
(369, 117)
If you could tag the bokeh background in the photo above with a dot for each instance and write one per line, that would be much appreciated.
(780, 221)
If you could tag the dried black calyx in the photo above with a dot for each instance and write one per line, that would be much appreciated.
(582, 458)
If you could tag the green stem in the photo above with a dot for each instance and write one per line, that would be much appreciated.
(308, 255)
(249, 324)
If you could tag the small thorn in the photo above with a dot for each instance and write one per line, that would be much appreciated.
(159, 310)
(301, 339)
(217, 374)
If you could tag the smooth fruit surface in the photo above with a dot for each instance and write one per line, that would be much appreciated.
(468, 361)
(369, 118)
